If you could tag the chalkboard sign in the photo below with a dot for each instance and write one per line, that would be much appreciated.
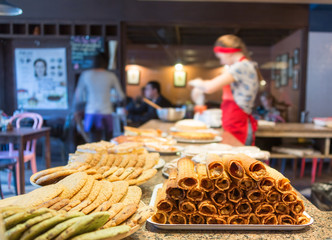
(83, 48)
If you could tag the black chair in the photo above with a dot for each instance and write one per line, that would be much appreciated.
(8, 164)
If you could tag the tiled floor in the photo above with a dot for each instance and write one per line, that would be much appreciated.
(301, 184)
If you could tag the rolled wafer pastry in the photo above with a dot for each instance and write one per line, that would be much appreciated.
(236, 219)
(253, 219)
(281, 208)
(233, 166)
(282, 183)
(163, 204)
(186, 206)
(160, 217)
(246, 183)
(177, 217)
(302, 220)
(255, 196)
(215, 166)
(206, 208)
(264, 209)
(224, 182)
(286, 220)
(254, 168)
(273, 196)
(270, 219)
(172, 189)
(234, 194)
(226, 209)
(297, 208)
(218, 197)
(186, 178)
(243, 208)
(196, 218)
(216, 219)
(289, 197)
(266, 184)
(205, 182)
(195, 194)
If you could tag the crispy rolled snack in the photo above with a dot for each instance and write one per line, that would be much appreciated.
(270, 219)
(177, 217)
(206, 208)
(297, 208)
(224, 182)
(216, 219)
(226, 209)
(195, 194)
(186, 206)
(302, 220)
(289, 197)
(255, 196)
(234, 194)
(282, 183)
(254, 168)
(215, 166)
(243, 208)
(186, 178)
(196, 218)
(266, 184)
(246, 183)
(233, 166)
(286, 220)
(218, 197)
(281, 208)
(172, 189)
(273, 196)
(162, 203)
(253, 219)
(159, 217)
(235, 219)
(205, 182)
(263, 210)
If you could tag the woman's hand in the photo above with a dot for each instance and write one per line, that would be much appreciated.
(197, 82)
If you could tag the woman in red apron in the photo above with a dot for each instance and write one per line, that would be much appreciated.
(239, 83)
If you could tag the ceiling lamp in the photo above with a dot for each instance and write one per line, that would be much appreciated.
(7, 9)
(178, 67)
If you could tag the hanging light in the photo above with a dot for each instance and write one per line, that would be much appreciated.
(178, 66)
(7, 9)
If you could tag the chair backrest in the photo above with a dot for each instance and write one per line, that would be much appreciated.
(37, 123)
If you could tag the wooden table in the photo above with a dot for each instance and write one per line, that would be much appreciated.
(320, 229)
(299, 130)
(20, 136)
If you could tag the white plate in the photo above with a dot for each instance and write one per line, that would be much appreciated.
(222, 226)
(178, 149)
(160, 163)
(216, 139)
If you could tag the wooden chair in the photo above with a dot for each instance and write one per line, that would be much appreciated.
(30, 148)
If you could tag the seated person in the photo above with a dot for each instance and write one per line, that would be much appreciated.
(145, 112)
(267, 111)
(134, 105)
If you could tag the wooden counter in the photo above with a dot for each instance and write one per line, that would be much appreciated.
(320, 229)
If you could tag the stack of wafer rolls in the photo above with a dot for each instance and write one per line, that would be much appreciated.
(233, 189)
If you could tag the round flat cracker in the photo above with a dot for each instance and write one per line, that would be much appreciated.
(85, 190)
(73, 184)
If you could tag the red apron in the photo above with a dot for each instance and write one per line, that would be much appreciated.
(234, 119)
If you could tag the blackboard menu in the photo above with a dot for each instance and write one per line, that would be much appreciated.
(83, 48)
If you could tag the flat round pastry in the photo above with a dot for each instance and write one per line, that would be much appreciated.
(194, 135)
(190, 125)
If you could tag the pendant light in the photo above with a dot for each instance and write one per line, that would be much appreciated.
(7, 9)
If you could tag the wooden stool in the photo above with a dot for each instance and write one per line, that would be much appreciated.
(8, 164)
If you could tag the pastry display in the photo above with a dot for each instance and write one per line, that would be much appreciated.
(190, 125)
(232, 189)
(193, 135)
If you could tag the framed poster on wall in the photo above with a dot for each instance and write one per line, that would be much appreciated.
(133, 76)
(180, 79)
(41, 78)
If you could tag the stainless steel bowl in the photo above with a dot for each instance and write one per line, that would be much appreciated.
(171, 114)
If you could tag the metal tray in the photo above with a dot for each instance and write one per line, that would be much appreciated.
(222, 226)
